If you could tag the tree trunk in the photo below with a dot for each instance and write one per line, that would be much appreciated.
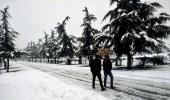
(85, 61)
(120, 62)
(116, 62)
(129, 61)
(40, 59)
(55, 61)
(143, 61)
(68, 61)
(48, 60)
(80, 59)
(7, 64)
(58, 61)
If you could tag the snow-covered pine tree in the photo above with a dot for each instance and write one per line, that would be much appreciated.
(8, 36)
(134, 28)
(64, 42)
(88, 33)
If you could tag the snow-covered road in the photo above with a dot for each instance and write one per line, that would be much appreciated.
(26, 83)
(127, 83)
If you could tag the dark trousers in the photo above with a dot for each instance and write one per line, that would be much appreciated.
(106, 73)
(94, 78)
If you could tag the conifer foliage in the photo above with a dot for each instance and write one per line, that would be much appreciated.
(88, 32)
(7, 37)
(64, 40)
(56, 45)
(133, 28)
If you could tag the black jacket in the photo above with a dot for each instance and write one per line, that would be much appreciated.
(107, 65)
(95, 66)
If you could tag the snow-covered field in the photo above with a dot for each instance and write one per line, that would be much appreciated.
(40, 81)
(23, 83)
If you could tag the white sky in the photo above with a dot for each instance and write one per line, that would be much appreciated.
(31, 17)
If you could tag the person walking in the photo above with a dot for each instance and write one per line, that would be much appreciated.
(95, 66)
(107, 67)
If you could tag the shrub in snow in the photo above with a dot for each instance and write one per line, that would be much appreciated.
(155, 60)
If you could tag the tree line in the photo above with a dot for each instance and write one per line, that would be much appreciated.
(133, 28)
(59, 44)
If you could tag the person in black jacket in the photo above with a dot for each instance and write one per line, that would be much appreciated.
(95, 66)
(107, 67)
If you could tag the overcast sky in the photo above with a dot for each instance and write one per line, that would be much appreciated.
(31, 17)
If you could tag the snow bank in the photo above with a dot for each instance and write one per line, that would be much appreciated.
(29, 84)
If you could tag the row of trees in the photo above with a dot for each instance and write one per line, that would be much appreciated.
(133, 28)
(7, 36)
(59, 44)
(52, 46)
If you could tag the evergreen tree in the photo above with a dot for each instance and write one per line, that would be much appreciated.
(8, 36)
(53, 47)
(134, 28)
(33, 50)
(1, 38)
(39, 48)
(88, 33)
(79, 49)
(45, 47)
(64, 42)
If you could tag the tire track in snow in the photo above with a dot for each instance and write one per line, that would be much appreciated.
(120, 85)
(131, 90)
(139, 82)
(138, 86)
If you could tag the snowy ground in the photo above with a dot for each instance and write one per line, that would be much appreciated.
(37, 81)
(160, 74)
(23, 83)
